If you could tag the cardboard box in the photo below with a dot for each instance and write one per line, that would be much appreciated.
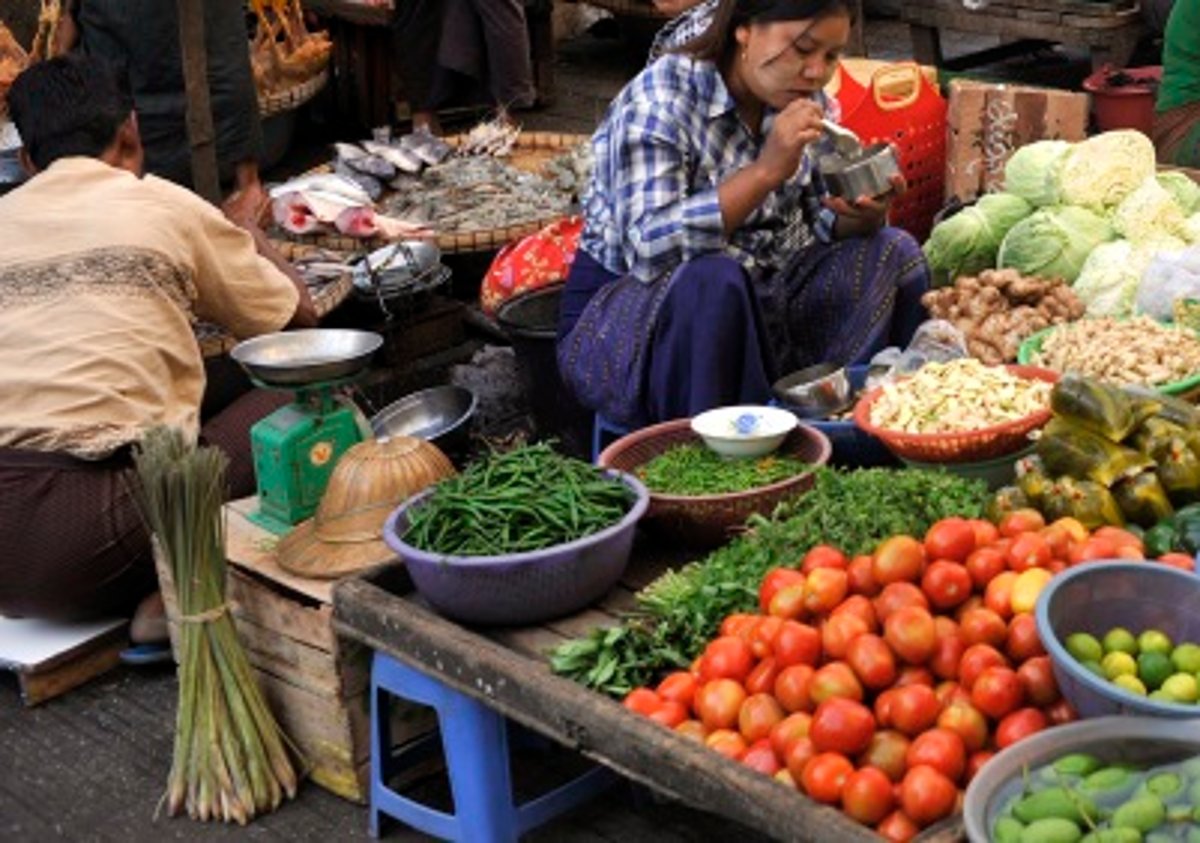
(987, 122)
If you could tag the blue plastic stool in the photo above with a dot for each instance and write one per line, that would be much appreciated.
(474, 739)
(604, 433)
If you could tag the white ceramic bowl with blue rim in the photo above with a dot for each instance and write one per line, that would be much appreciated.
(744, 431)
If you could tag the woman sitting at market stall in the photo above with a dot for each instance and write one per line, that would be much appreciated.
(1177, 121)
(102, 272)
(711, 258)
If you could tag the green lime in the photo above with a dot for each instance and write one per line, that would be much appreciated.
(1160, 696)
(1118, 663)
(1181, 687)
(1095, 668)
(1130, 683)
(1191, 769)
(1186, 657)
(1084, 647)
(1154, 668)
(1120, 640)
(1153, 641)
(1165, 785)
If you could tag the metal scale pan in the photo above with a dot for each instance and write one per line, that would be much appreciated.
(291, 359)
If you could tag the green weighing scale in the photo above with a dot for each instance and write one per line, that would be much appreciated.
(296, 447)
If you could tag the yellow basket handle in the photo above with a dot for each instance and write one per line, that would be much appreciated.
(900, 71)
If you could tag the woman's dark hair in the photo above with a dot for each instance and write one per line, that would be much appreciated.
(717, 42)
(68, 105)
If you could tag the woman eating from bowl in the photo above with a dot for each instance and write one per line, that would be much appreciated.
(712, 258)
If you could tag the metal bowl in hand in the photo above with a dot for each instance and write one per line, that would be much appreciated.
(869, 173)
(301, 358)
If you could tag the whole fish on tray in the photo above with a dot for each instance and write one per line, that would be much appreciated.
(372, 185)
(425, 145)
(325, 183)
(401, 158)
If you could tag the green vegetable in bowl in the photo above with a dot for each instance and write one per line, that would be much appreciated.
(967, 243)
(1054, 242)
(526, 499)
(693, 469)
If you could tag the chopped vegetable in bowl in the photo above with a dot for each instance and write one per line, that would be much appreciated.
(958, 396)
(694, 469)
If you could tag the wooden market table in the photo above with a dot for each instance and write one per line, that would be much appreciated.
(1109, 30)
(508, 670)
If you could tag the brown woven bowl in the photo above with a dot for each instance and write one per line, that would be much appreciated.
(709, 520)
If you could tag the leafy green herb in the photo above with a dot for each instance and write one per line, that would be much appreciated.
(525, 499)
(693, 469)
(681, 611)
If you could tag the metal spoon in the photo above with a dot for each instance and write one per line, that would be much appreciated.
(845, 142)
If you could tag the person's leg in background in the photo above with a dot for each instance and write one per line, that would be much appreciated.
(509, 64)
(418, 28)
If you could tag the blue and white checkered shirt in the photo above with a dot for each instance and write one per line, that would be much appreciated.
(683, 28)
(668, 140)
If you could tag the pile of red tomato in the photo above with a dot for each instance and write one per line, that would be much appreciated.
(883, 683)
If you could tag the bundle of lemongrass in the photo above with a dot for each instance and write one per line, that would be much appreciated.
(231, 762)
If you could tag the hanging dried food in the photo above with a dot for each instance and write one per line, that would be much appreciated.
(284, 53)
(1071, 450)
(13, 59)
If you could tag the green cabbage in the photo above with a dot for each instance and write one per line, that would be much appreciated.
(1054, 242)
(967, 242)
(1101, 171)
(1185, 191)
(1032, 171)
(1149, 211)
(1110, 277)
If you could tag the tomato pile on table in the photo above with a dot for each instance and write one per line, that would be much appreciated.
(882, 683)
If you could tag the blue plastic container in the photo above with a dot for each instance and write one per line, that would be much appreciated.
(1095, 597)
(852, 446)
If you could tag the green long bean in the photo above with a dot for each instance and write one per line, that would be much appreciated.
(525, 499)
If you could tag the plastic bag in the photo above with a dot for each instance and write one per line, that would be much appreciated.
(1100, 408)
(1086, 501)
(1071, 450)
(1170, 277)
(1170, 409)
(1178, 469)
(1142, 499)
(935, 341)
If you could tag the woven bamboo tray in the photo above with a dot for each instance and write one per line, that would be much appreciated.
(532, 151)
(213, 339)
(278, 102)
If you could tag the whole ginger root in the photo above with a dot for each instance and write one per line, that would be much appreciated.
(1000, 308)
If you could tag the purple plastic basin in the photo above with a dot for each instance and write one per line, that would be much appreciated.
(1094, 598)
(519, 588)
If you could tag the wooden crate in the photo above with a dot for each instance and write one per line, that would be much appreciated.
(987, 122)
(316, 682)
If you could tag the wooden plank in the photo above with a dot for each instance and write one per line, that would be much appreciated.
(532, 643)
(250, 546)
(578, 718)
(582, 623)
(316, 670)
(71, 670)
(202, 138)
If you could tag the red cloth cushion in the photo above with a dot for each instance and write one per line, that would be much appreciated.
(532, 262)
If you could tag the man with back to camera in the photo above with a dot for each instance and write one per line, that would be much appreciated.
(102, 272)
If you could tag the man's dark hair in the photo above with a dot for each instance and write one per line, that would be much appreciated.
(716, 43)
(68, 105)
